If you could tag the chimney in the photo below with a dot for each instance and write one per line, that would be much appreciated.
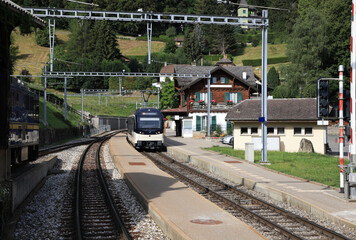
(244, 75)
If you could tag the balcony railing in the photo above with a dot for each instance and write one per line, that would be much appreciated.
(213, 107)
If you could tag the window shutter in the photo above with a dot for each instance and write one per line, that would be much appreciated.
(213, 123)
(239, 97)
(227, 96)
(226, 80)
(197, 97)
(228, 126)
(198, 123)
(211, 96)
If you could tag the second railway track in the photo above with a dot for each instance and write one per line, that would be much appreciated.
(270, 220)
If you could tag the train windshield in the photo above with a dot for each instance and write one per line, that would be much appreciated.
(152, 122)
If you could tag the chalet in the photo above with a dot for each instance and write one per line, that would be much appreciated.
(179, 42)
(245, 10)
(289, 121)
(229, 85)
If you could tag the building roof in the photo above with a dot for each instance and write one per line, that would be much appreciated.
(16, 8)
(224, 61)
(179, 39)
(235, 71)
(292, 109)
(167, 69)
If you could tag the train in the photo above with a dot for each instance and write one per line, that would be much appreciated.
(145, 129)
(24, 123)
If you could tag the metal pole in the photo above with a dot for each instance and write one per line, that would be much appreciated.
(45, 97)
(120, 80)
(52, 29)
(352, 86)
(99, 98)
(208, 79)
(159, 91)
(264, 89)
(82, 93)
(149, 39)
(106, 104)
(65, 98)
(341, 126)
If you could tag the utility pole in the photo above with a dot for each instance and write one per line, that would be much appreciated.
(45, 97)
(264, 89)
(209, 79)
(341, 126)
(65, 98)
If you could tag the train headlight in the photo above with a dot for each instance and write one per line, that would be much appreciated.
(158, 132)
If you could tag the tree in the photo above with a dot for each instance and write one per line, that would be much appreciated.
(171, 32)
(273, 78)
(170, 46)
(167, 99)
(142, 83)
(194, 43)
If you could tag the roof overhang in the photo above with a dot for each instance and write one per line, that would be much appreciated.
(17, 9)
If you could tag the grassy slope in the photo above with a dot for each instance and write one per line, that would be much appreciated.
(55, 117)
(273, 51)
(31, 56)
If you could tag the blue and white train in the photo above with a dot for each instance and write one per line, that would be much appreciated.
(145, 129)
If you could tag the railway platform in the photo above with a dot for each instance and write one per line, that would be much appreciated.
(179, 211)
(316, 199)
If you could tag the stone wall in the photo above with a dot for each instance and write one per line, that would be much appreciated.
(50, 136)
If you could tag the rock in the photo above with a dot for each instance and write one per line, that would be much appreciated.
(306, 146)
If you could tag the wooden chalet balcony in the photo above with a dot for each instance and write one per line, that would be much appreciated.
(213, 107)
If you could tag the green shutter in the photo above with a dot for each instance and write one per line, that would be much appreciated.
(213, 123)
(228, 127)
(226, 80)
(239, 97)
(227, 96)
(211, 96)
(197, 97)
(198, 127)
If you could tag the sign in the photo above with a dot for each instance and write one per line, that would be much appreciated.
(261, 119)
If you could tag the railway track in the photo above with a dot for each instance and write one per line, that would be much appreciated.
(272, 221)
(96, 216)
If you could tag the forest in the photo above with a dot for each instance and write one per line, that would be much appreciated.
(317, 35)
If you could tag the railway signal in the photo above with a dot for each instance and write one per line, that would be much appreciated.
(323, 98)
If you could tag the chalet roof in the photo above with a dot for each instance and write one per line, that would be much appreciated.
(243, 3)
(292, 109)
(16, 8)
(168, 69)
(224, 61)
(235, 71)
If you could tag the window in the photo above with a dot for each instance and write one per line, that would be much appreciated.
(309, 131)
(244, 11)
(213, 80)
(204, 97)
(244, 130)
(222, 79)
(146, 123)
(297, 131)
(226, 80)
(233, 97)
(254, 130)
(280, 130)
(270, 130)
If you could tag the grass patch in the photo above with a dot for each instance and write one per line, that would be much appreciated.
(273, 51)
(138, 47)
(311, 166)
(111, 106)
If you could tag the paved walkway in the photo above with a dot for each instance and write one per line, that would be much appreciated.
(314, 198)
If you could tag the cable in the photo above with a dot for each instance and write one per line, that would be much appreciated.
(91, 4)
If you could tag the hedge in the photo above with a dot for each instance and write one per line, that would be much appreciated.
(258, 62)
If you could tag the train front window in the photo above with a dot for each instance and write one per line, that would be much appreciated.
(147, 123)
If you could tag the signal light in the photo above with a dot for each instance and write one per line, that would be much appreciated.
(323, 98)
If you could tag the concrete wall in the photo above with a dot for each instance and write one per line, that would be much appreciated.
(220, 119)
(24, 184)
(288, 141)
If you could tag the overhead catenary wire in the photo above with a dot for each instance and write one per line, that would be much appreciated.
(255, 6)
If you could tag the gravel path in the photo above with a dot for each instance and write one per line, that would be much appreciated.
(41, 218)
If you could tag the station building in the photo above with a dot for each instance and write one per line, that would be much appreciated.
(289, 122)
